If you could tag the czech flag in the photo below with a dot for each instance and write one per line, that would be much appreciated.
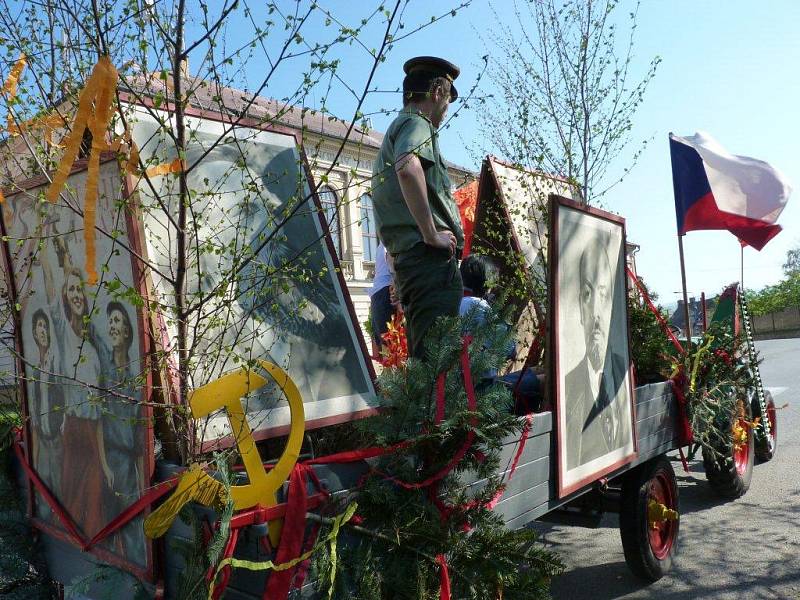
(718, 190)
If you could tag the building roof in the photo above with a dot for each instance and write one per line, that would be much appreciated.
(209, 96)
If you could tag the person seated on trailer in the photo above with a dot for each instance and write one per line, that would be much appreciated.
(478, 272)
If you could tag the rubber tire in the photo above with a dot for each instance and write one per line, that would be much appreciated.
(764, 451)
(721, 472)
(633, 524)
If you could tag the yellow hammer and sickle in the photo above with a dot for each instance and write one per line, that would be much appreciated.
(227, 392)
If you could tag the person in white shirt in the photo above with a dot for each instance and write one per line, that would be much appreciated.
(381, 308)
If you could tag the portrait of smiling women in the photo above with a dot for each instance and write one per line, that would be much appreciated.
(78, 364)
(122, 415)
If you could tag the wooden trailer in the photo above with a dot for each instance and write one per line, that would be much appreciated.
(637, 481)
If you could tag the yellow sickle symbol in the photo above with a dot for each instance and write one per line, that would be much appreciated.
(226, 392)
(198, 486)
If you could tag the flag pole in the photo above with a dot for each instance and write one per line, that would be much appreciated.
(742, 264)
(688, 328)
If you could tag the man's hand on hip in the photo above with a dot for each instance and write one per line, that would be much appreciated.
(442, 239)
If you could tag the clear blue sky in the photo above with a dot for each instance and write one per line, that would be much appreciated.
(730, 67)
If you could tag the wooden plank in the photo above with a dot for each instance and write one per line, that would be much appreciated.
(652, 407)
(525, 477)
(533, 513)
(535, 447)
(541, 423)
(513, 506)
(645, 393)
(654, 424)
(651, 445)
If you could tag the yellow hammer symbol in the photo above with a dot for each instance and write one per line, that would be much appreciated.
(227, 392)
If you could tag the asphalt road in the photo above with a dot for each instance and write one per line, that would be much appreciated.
(747, 548)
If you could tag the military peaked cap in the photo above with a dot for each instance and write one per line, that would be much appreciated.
(421, 70)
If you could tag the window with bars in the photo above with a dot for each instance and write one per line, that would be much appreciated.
(369, 234)
(330, 207)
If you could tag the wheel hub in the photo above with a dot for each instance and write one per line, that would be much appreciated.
(657, 513)
(662, 516)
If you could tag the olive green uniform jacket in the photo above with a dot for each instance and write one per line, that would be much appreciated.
(427, 278)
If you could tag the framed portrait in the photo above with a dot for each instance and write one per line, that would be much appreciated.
(590, 349)
(82, 349)
(261, 270)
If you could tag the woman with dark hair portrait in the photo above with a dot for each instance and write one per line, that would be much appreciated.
(120, 426)
(120, 334)
(45, 405)
(84, 465)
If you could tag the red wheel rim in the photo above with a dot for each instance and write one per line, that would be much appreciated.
(662, 533)
(741, 454)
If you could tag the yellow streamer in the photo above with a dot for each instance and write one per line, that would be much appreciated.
(94, 113)
(195, 485)
(132, 164)
(176, 166)
(268, 565)
(46, 124)
(226, 392)
(10, 86)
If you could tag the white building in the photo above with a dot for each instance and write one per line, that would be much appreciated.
(340, 156)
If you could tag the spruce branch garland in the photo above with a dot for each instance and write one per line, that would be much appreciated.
(391, 552)
(719, 382)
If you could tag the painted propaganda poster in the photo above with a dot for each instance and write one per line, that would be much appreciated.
(594, 397)
(262, 281)
(511, 227)
(82, 349)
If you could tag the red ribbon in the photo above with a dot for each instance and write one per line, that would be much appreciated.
(294, 526)
(66, 520)
(679, 383)
(444, 578)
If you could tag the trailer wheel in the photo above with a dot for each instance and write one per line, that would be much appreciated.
(730, 469)
(767, 445)
(649, 518)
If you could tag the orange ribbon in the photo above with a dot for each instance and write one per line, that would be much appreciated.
(94, 114)
(176, 166)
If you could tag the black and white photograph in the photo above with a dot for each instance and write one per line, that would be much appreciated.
(264, 264)
(592, 360)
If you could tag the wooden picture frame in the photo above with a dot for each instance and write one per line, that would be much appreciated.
(103, 365)
(337, 384)
(590, 364)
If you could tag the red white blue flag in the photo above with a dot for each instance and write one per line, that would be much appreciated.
(718, 190)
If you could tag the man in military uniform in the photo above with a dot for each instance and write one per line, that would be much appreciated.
(416, 214)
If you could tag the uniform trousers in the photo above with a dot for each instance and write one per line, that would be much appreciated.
(430, 287)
